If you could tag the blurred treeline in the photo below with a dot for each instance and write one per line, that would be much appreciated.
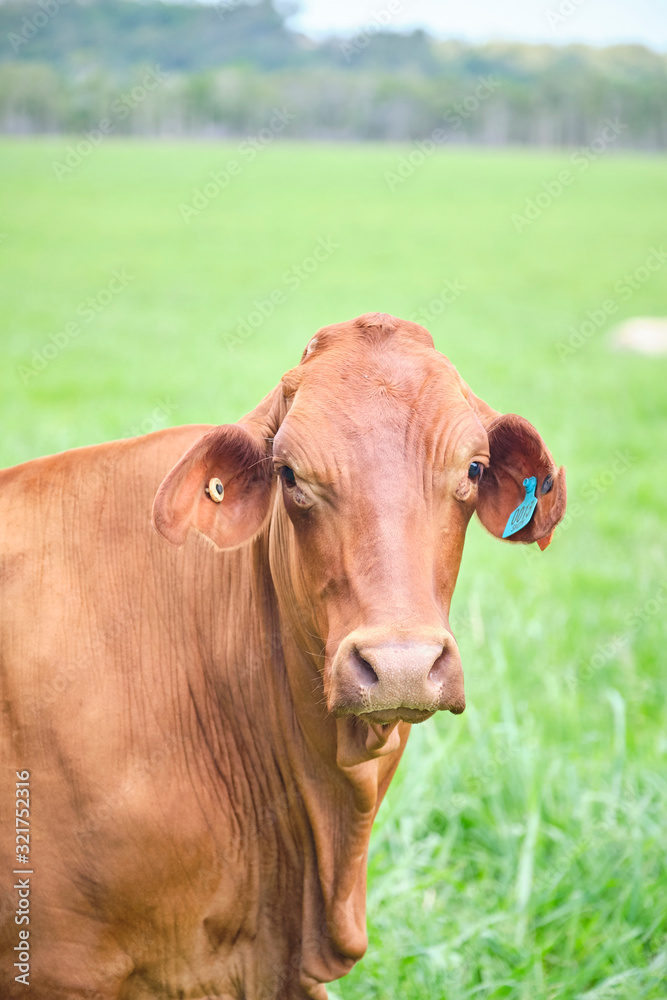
(66, 65)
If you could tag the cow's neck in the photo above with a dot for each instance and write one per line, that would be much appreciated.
(260, 683)
(341, 783)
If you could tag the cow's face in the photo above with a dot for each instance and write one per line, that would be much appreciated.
(379, 461)
(381, 455)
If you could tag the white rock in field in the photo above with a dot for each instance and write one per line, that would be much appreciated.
(642, 334)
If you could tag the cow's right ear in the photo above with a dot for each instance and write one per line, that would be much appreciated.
(228, 455)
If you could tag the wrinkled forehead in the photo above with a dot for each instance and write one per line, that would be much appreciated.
(355, 394)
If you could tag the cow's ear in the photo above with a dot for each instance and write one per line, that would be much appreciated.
(227, 462)
(517, 452)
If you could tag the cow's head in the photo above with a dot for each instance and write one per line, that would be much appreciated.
(366, 465)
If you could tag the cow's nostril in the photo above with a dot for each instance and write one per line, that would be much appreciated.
(436, 674)
(364, 670)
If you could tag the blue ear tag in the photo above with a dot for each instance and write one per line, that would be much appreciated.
(520, 517)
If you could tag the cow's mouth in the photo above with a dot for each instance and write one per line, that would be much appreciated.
(389, 716)
(365, 735)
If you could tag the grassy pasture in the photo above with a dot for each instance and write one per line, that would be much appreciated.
(521, 849)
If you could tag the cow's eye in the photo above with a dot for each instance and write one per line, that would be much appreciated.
(287, 475)
(475, 470)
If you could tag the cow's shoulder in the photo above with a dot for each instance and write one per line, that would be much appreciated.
(76, 492)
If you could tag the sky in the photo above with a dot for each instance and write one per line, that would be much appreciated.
(596, 22)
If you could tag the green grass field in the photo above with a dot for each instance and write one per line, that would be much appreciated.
(521, 850)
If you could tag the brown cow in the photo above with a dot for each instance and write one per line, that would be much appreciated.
(209, 714)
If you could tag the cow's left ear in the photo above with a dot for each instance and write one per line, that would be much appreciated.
(222, 486)
(517, 452)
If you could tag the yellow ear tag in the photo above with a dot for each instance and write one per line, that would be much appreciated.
(215, 490)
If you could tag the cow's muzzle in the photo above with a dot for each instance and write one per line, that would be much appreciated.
(408, 675)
